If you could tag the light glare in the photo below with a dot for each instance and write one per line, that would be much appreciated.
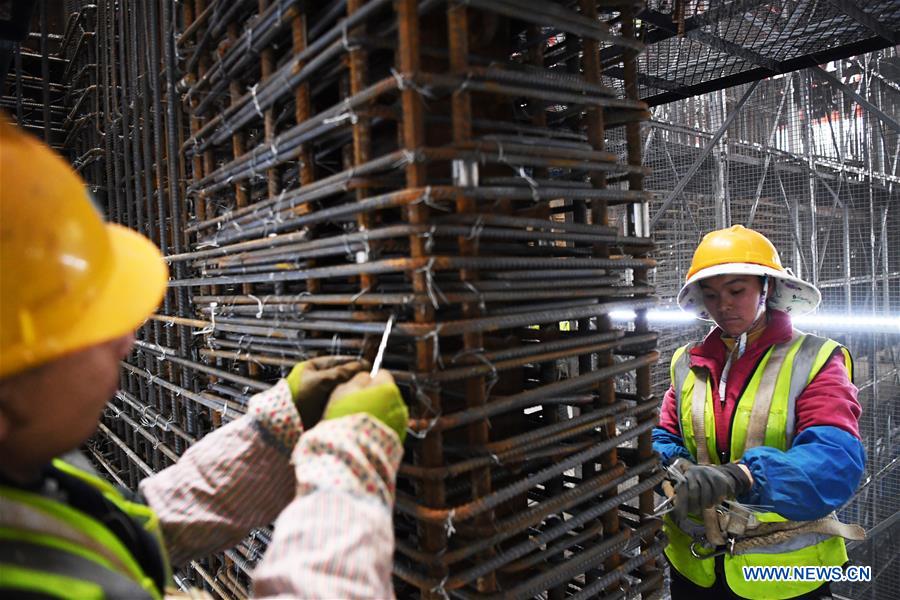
(836, 322)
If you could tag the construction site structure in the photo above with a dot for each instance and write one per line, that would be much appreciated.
(514, 188)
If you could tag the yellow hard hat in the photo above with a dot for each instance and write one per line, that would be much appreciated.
(67, 279)
(741, 251)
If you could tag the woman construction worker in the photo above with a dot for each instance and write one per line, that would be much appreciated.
(319, 456)
(762, 417)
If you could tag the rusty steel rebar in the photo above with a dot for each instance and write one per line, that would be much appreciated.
(313, 171)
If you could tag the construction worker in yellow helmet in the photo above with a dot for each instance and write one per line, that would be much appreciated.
(318, 451)
(759, 430)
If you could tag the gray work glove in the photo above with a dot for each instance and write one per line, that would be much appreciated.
(705, 486)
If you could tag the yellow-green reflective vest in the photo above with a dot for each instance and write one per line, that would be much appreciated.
(764, 417)
(51, 549)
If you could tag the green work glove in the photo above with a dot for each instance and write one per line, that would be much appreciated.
(378, 397)
(312, 382)
(705, 486)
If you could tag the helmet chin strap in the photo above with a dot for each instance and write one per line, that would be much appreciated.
(742, 339)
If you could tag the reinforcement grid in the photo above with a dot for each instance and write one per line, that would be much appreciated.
(696, 41)
(314, 169)
(810, 167)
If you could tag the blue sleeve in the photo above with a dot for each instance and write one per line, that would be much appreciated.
(817, 475)
(669, 446)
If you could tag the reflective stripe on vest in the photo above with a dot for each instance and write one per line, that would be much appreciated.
(764, 416)
(764, 399)
(681, 367)
(26, 555)
(145, 516)
(21, 580)
(29, 519)
(701, 423)
(809, 360)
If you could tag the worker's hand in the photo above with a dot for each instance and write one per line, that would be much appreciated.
(312, 382)
(378, 397)
(705, 486)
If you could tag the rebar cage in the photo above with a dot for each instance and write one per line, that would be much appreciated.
(312, 170)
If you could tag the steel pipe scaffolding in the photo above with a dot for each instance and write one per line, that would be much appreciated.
(314, 169)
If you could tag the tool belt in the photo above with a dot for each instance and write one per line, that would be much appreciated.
(738, 531)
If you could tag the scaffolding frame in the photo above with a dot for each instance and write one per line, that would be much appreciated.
(825, 189)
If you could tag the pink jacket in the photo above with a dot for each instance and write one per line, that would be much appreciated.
(829, 399)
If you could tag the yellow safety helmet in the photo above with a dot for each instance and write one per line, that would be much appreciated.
(67, 279)
(741, 251)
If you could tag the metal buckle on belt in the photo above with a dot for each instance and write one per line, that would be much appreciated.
(728, 548)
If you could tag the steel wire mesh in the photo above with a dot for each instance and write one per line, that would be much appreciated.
(819, 174)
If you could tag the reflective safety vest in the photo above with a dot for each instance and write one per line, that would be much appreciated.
(51, 549)
(764, 416)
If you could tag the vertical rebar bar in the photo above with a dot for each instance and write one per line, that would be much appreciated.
(808, 139)
(45, 70)
(466, 176)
